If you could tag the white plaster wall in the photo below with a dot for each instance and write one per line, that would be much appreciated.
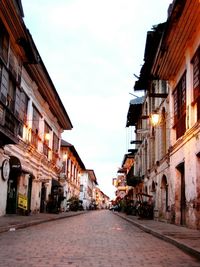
(186, 154)
(3, 196)
(35, 198)
(3, 187)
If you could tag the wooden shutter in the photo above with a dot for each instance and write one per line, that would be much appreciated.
(4, 85)
(4, 42)
(23, 106)
(196, 74)
(180, 107)
(17, 102)
(55, 143)
(36, 117)
(175, 94)
(182, 94)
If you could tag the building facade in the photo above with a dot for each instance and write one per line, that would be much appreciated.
(101, 199)
(72, 171)
(88, 182)
(167, 152)
(32, 119)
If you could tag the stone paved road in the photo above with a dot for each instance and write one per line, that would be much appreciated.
(94, 239)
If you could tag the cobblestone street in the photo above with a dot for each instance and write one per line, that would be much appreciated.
(93, 239)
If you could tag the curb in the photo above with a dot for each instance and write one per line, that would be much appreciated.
(14, 227)
(189, 250)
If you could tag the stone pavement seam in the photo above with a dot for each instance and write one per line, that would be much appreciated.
(173, 241)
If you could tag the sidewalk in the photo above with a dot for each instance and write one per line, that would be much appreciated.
(14, 222)
(184, 238)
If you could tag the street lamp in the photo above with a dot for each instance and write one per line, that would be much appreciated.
(47, 136)
(155, 118)
(65, 156)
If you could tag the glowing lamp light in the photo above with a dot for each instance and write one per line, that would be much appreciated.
(47, 136)
(65, 156)
(154, 119)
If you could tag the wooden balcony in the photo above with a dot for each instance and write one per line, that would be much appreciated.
(9, 125)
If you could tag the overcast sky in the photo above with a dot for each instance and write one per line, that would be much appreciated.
(91, 49)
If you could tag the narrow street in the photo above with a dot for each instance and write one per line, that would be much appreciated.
(93, 239)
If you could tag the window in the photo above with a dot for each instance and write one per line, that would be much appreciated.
(81, 188)
(163, 134)
(35, 127)
(180, 107)
(4, 43)
(55, 147)
(196, 80)
(64, 167)
(23, 111)
(23, 106)
(4, 79)
(47, 131)
(55, 143)
(67, 168)
(11, 96)
(71, 168)
(163, 87)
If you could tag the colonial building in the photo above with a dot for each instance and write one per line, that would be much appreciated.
(102, 200)
(88, 182)
(167, 157)
(32, 118)
(72, 171)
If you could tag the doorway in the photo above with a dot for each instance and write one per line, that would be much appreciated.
(11, 206)
(13, 183)
(164, 194)
(43, 198)
(30, 181)
(181, 169)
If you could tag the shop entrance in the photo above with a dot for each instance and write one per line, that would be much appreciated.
(11, 206)
(15, 171)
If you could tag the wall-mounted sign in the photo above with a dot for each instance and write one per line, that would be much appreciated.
(5, 170)
(22, 202)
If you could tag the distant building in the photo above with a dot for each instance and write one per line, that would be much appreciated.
(88, 182)
(102, 200)
(72, 172)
